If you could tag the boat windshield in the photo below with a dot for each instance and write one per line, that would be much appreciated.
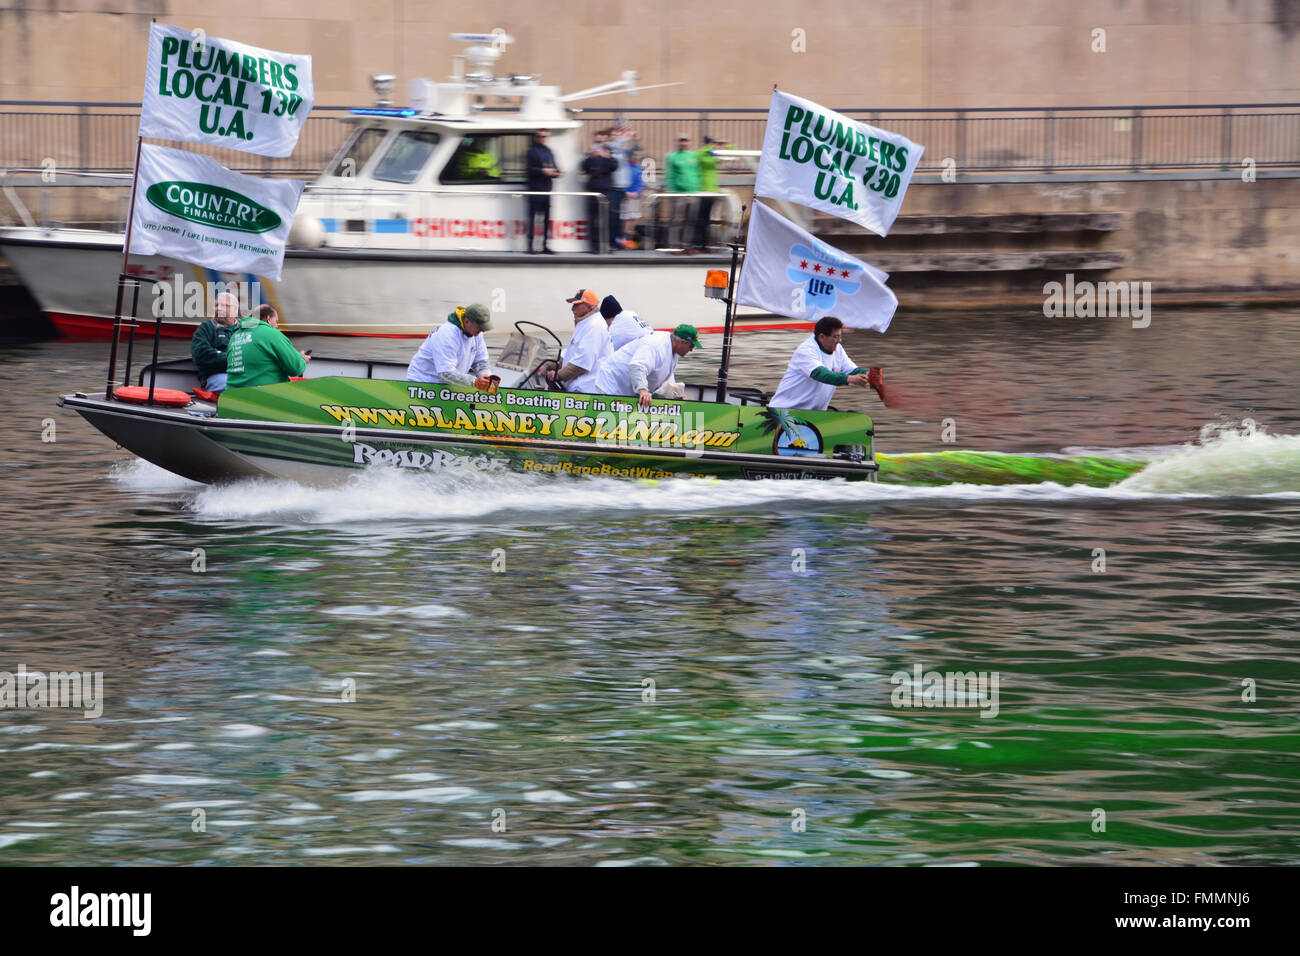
(406, 157)
(358, 151)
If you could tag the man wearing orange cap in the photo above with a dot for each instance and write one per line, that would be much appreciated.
(589, 346)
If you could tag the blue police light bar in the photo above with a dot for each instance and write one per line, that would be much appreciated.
(381, 112)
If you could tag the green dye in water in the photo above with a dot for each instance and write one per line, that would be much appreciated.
(991, 468)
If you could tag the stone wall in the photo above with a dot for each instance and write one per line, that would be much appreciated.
(1204, 239)
(726, 53)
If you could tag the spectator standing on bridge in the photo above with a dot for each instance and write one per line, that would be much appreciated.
(542, 171)
(630, 211)
(708, 184)
(682, 175)
(620, 145)
(599, 168)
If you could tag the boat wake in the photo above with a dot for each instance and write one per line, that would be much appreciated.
(1228, 463)
(1231, 461)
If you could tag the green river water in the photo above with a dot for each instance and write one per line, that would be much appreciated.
(528, 670)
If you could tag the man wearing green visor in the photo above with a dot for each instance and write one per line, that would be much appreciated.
(646, 365)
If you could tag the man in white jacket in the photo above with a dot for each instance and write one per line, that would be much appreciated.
(646, 365)
(624, 324)
(819, 366)
(589, 346)
(454, 353)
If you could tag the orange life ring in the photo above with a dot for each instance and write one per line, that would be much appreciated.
(161, 396)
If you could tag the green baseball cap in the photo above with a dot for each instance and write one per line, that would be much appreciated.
(688, 333)
(480, 316)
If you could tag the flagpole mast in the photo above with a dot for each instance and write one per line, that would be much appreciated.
(121, 278)
(729, 324)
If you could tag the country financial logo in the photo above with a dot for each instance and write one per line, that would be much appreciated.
(212, 206)
(823, 276)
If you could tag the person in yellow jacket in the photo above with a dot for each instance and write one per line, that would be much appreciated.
(477, 163)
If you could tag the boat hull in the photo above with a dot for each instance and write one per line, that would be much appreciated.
(211, 451)
(261, 433)
(72, 274)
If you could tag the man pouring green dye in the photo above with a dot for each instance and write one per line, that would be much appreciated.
(817, 368)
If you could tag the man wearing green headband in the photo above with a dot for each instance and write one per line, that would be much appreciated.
(646, 365)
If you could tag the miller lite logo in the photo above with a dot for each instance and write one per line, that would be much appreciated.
(823, 276)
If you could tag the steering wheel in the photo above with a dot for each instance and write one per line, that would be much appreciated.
(536, 379)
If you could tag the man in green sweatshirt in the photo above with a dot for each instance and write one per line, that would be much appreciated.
(682, 175)
(708, 184)
(261, 355)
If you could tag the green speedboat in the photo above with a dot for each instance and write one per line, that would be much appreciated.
(351, 414)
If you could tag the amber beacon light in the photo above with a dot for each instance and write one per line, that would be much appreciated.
(715, 284)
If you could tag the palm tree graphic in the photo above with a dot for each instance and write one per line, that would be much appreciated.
(780, 420)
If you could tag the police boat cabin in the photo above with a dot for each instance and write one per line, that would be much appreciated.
(448, 173)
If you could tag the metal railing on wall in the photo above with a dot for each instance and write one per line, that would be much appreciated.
(1021, 139)
(100, 137)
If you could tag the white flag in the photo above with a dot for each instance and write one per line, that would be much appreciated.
(822, 159)
(788, 271)
(194, 209)
(202, 89)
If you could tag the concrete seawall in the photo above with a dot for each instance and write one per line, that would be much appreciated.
(1208, 238)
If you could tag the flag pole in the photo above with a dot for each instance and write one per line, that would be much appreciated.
(122, 278)
(729, 324)
(126, 255)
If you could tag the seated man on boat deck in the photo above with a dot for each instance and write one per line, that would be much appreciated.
(589, 347)
(261, 354)
(454, 353)
(624, 324)
(211, 340)
(646, 365)
(819, 365)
